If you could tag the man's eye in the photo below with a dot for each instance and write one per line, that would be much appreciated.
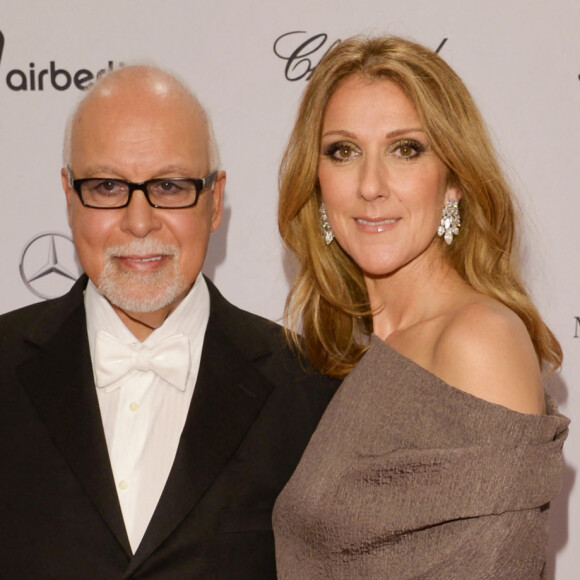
(108, 187)
(167, 187)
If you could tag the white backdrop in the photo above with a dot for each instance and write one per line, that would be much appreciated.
(521, 60)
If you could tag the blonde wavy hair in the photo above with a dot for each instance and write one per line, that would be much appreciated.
(328, 302)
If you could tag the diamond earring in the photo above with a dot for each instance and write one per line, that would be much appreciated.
(325, 225)
(450, 221)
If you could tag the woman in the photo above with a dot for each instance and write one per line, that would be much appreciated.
(439, 454)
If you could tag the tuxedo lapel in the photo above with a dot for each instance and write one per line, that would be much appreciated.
(59, 380)
(229, 394)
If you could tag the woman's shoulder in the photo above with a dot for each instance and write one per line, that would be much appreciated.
(484, 348)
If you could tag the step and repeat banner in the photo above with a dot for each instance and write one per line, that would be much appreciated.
(248, 61)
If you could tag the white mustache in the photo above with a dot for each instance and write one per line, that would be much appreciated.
(142, 247)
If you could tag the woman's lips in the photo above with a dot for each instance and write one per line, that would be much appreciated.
(375, 225)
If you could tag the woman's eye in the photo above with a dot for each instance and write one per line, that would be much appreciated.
(408, 149)
(342, 151)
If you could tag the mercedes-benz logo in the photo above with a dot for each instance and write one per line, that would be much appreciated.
(48, 265)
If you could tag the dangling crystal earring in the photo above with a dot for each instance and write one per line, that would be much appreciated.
(325, 225)
(450, 221)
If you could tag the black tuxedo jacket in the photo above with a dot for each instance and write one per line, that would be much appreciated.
(252, 413)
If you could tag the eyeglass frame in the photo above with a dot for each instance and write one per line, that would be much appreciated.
(200, 184)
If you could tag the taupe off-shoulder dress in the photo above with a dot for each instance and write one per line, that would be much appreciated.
(407, 477)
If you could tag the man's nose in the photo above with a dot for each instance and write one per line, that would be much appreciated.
(140, 218)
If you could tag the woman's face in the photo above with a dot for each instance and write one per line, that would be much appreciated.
(383, 186)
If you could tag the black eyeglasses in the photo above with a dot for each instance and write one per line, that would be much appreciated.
(162, 193)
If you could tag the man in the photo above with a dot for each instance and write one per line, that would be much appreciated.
(147, 425)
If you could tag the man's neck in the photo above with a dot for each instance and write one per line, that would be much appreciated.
(142, 324)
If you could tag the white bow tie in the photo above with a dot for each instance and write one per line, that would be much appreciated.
(116, 360)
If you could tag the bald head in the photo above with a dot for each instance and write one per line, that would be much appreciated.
(139, 86)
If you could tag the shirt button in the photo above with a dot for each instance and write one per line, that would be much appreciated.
(123, 484)
(134, 406)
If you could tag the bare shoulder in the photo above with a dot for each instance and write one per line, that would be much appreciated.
(484, 349)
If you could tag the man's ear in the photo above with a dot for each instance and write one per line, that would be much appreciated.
(69, 193)
(217, 200)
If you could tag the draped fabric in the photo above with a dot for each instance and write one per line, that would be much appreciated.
(407, 477)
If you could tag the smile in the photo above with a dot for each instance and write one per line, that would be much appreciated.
(143, 263)
(365, 222)
(152, 259)
(375, 226)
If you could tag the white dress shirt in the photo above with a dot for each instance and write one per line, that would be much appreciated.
(143, 415)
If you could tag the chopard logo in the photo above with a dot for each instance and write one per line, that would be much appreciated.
(298, 52)
(48, 266)
(303, 54)
(51, 75)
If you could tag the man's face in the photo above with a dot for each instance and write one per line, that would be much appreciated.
(141, 258)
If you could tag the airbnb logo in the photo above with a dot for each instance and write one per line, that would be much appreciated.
(50, 76)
